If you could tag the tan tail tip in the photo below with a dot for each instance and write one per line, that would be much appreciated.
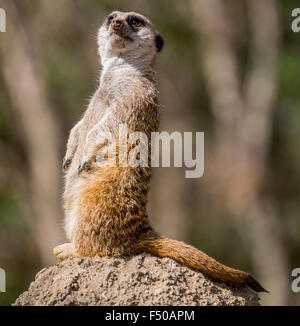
(254, 285)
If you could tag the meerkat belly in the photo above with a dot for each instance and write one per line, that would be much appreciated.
(111, 211)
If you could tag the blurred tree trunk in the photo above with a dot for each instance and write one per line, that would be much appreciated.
(41, 132)
(243, 124)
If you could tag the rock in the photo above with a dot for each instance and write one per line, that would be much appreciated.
(139, 280)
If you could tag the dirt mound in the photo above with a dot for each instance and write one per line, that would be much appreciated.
(140, 280)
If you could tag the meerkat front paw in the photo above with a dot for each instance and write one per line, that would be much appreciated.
(64, 251)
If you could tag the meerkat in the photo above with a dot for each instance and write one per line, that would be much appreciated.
(105, 206)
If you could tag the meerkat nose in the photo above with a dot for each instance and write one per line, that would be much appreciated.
(116, 24)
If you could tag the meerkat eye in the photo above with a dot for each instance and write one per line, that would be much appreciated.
(109, 19)
(136, 22)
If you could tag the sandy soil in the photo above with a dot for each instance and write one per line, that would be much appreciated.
(140, 280)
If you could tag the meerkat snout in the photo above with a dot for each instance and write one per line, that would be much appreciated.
(116, 24)
(128, 34)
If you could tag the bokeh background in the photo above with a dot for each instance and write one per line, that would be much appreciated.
(230, 68)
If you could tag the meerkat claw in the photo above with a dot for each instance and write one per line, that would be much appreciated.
(64, 251)
(81, 167)
(66, 163)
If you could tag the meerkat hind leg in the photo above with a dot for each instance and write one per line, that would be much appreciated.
(64, 251)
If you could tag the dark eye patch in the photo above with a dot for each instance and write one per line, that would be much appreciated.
(135, 21)
(109, 19)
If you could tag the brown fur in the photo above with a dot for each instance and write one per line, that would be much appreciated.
(105, 207)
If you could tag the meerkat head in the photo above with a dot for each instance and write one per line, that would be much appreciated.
(128, 35)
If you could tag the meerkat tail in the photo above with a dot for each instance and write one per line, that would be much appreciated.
(189, 255)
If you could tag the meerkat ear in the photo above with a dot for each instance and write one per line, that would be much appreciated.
(159, 42)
